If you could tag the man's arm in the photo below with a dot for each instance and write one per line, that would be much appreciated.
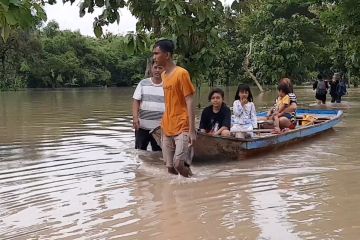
(135, 110)
(315, 85)
(190, 108)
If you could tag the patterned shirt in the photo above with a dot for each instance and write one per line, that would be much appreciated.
(152, 104)
(244, 115)
(293, 98)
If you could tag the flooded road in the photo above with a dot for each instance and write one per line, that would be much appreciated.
(68, 170)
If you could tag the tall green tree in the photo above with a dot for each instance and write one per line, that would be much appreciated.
(286, 36)
(341, 19)
(193, 25)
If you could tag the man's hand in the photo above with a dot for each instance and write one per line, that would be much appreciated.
(136, 124)
(192, 138)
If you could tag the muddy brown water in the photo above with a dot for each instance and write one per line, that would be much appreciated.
(68, 170)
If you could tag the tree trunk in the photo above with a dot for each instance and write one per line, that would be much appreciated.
(53, 77)
(247, 70)
(156, 27)
(147, 73)
(3, 69)
(199, 96)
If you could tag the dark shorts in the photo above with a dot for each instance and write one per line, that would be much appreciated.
(292, 118)
(335, 98)
(321, 97)
(143, 138)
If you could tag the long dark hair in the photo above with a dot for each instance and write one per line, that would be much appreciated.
(244, 88)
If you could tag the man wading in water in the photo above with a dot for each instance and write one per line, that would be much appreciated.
(148, 109)
(178, 122)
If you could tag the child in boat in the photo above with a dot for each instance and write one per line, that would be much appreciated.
(282, 102)
(216, 118)
(244, 118)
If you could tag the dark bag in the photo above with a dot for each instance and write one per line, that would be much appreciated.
(341, 89)
(321, 88)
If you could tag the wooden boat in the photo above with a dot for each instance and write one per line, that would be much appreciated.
(210, 147)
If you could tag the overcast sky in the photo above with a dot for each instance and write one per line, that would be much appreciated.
(68, 18)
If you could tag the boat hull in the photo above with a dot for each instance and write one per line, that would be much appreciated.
(209, 147)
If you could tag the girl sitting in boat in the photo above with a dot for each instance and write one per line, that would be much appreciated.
(277, 113)
(284, 122)
(216, 118)
(244, 119)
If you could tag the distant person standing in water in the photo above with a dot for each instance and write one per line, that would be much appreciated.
(334, 86)
(148, 108)
(321, 88)
(178, 123)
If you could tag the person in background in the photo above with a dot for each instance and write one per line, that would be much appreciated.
(341, 90)
(321, 88)
(148, 108)
(178, 122)
(216, 118)
(245, 119)
(334, 86)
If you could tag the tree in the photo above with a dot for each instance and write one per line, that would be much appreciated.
(19, 13)
(193, 25)
(341, 19)
(286, 39)
(16, 54)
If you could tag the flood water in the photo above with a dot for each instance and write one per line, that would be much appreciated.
(68, 170)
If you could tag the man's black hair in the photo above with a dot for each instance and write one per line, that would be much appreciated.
(165, 45)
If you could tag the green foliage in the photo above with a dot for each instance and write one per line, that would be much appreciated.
(194, 26)
(19, 13)
(343, 24)
(287, 39)
(54, 58)
(293, 38)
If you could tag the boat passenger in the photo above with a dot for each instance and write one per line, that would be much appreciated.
(277, 113)
(216, 118)
(244, 120)
(284, 123)
(293, 99)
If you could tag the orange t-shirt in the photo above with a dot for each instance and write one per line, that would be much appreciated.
(176, 86)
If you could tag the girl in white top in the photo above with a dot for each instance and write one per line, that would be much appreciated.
(244, 118)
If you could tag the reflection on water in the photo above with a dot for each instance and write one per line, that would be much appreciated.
(68, 171)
